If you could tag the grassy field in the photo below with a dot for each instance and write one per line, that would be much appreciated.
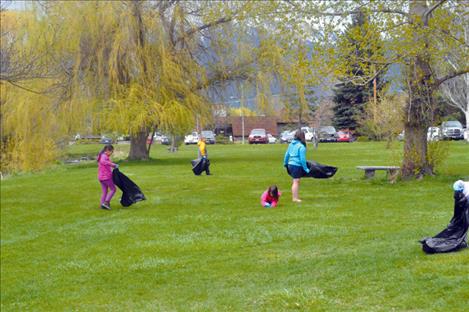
(205, 243)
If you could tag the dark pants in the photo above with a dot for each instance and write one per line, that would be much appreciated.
(207, 166)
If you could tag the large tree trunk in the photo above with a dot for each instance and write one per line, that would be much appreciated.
(418, 116)
(419, 108)
(415, 162)
(138, 146)
(138, 141)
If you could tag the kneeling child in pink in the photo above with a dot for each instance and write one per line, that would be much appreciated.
(270, 197)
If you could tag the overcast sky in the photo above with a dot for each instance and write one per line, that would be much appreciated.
(14, 5)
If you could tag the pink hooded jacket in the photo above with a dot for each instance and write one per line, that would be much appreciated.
(105, 167)
(266, 198)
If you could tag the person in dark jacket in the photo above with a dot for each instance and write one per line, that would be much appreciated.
(453, 237)
(295, 162)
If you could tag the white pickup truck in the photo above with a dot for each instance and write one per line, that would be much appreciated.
(452, 130)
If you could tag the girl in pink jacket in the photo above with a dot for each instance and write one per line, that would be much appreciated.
(105, 176)
(270, 197)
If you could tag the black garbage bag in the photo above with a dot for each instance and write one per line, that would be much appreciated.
(318, 171)
(131, 193)
(454, 236)
(200, 165)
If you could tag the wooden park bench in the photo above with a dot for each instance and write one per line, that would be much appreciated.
(392, 171)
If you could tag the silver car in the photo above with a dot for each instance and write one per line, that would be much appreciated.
(327, 134)
(209, 136)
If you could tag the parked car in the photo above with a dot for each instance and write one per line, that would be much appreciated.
(271, 138)
(433, 134)
(165, 140)
(158, 138)
(452, 130)
(327, 134)
(258, 136)
(124, 137)
(192, 138)
(309, 133)
(287, 136)
(344, 136)
(88, 138)
(466, 134)
(209, 136)
(105, 140)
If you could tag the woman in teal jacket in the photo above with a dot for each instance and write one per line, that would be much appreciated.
(295, 161)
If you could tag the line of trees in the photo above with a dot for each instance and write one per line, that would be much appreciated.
(134, 66)
(419, 35)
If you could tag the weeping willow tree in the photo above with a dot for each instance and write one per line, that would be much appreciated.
(121, 66)
(134, 66)
(30, 126)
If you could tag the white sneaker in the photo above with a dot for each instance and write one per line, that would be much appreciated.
(105, 206)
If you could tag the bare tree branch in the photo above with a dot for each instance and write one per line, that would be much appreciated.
(355, 11)
(433, 7)
(205, 26)
(24, 88)
(439, 81)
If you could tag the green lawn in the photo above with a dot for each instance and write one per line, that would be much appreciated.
(205, 243)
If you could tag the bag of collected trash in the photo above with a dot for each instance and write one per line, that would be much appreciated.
(454, 236)
(131, 193)
(199, 165)
(318, 171)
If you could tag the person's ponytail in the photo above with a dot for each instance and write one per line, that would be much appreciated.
(100, 154)
(107, 147)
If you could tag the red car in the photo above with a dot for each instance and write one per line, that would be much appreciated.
(343, 136)
(258, 136)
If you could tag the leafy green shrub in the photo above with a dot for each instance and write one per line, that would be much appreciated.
(221, 139)
(437, 152)
(363, 139)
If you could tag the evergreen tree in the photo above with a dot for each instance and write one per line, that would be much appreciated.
(349, 102)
